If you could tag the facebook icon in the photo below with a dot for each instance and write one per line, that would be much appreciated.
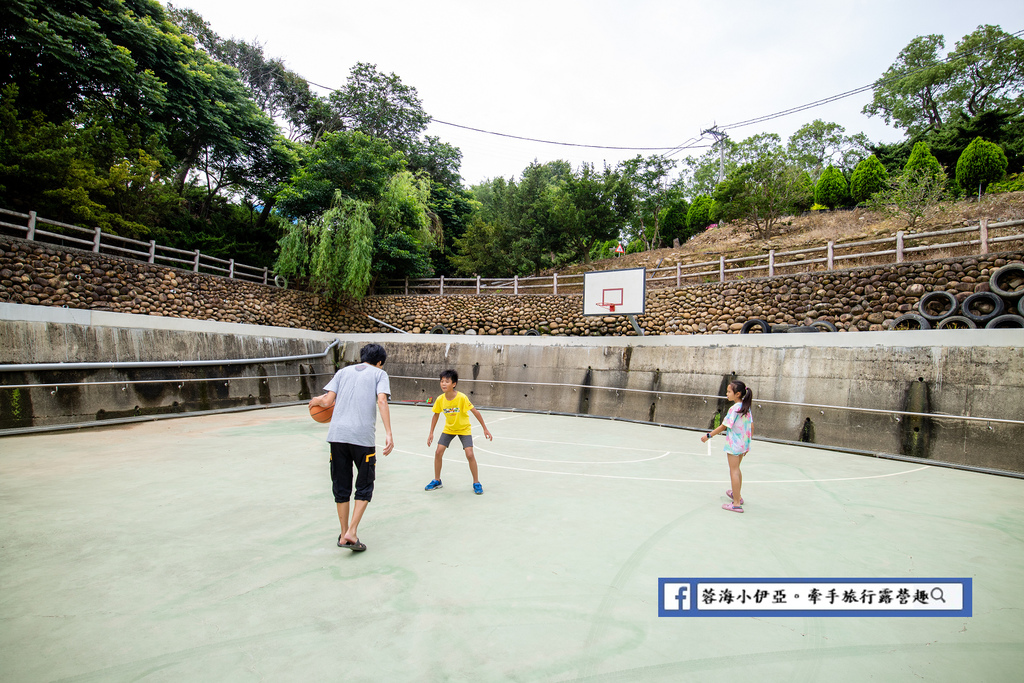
(675, 596)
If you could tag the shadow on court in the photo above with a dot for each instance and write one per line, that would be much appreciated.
(203, 548)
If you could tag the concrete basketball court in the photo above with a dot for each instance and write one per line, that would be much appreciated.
(203, 548)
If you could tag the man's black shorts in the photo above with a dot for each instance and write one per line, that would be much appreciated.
(343, 457)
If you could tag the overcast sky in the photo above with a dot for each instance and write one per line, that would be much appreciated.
(636, 73)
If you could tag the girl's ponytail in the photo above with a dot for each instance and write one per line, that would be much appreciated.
(747, 394)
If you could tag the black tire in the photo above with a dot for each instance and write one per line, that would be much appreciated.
(982, 300)
(781, 329)
(1008, 281)
(1007, 321)
(911, 321)
(532, 333)
(942, 298)
(803, 329)
(751, 324)
(824, 326)
(956, 322)
(438, 329)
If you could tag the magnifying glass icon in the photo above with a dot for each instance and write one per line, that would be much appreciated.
(940, 595)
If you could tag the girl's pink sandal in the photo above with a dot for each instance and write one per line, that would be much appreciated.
(732, 507)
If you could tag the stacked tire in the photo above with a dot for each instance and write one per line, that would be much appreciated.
(758, 326)
(997, 308)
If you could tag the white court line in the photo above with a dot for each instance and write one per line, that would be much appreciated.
(583, 445)
(682, 481)
(575, 462)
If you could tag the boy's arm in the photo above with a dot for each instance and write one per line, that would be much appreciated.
(323, 400)
(385, 416)
(433, 423)
(480, 419)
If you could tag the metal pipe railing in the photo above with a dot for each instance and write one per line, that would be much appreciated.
(134, 365)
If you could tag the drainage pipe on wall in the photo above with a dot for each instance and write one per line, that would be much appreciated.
(131, 365)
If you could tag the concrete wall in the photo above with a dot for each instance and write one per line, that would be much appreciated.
(666, 379)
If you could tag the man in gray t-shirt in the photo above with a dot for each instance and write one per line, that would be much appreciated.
(356, 392)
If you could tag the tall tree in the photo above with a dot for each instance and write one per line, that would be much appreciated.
(583, 211)
(922, 90)
(761, 191)
(647, 180)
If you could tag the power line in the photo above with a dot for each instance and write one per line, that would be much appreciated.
(739, 124)
(856, 91)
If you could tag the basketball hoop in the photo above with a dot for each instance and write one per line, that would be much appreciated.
(610, 298)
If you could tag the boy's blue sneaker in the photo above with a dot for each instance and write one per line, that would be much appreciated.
(434, 484)
(477, 488)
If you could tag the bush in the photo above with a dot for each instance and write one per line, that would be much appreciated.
(699, 215)
(922, 162)
(868, 178)
(980, 164)
(1011, 183)
(831, 189)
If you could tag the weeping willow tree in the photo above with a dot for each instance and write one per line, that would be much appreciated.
(348, 246)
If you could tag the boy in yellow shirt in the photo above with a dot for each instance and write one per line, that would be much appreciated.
(456, 408)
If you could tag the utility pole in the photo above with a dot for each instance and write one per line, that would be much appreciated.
(720, 139)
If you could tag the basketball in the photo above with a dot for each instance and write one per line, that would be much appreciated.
(321, 414)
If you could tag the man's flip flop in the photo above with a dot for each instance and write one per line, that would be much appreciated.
(354, 547)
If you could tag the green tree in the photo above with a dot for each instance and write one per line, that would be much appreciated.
(868, 178)
(761, 191)
(699, 215)
(921, 91)
(647, 180)
(831, 189)
(981, 163)
(910, 195)
(673, 218)
(583, 212)
(922, 161)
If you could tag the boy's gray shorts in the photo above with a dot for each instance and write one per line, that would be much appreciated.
(446, 439)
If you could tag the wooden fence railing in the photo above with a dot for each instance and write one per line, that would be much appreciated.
(150, 252)
(897, 249)
(832, 255)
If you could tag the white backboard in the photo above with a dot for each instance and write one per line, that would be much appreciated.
(615, 292)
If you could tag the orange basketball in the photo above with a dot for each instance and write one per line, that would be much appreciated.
(321, 414)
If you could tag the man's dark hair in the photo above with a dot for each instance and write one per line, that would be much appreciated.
(373, 354)
(450, 374)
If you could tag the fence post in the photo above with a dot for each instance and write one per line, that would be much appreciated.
(477, 284)
(721, 269)
(442, 286)
(152, 252)
(554, 283)
(899, 246)
(515, 284)
(983, 235)
(265, 269)
(831, 254)
(31, 225)
(679, 275)
(771, 263)
(195, 264)
(231, 268)
(96, 240)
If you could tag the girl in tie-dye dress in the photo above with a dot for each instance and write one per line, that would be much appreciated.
(737, 426)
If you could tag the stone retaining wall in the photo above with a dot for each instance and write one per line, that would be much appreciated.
(865, 298)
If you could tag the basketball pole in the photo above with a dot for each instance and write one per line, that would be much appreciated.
(636, 328)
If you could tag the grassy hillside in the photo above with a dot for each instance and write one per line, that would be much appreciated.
(814, 229)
